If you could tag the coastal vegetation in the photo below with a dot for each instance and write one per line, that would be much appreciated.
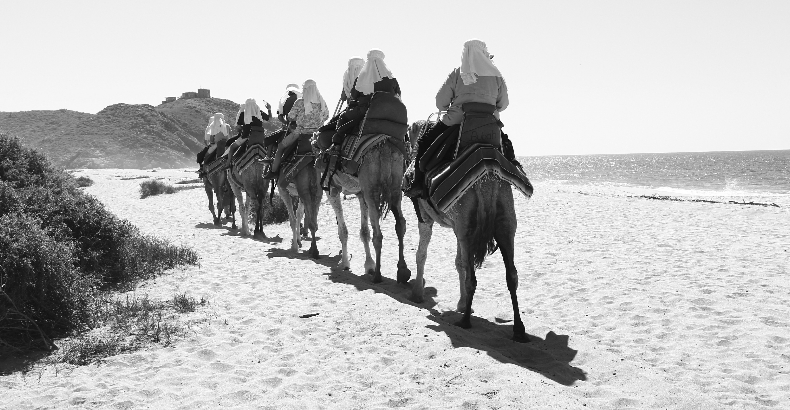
(63, 254)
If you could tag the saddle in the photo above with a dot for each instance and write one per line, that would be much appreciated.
(448, 183)
(211, 163)
(479, 126)
(296, 157)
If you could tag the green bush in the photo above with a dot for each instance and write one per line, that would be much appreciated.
(153, 187)
(84, 181)
(60, 248)
(276, 213)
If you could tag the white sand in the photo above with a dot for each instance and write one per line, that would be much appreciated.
(631, 303)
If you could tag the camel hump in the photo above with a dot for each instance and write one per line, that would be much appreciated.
(386, 115)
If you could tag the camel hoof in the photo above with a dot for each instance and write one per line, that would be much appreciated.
(520, 338)
(217, 222)
(313, 252)
(259, 235)
(233, 227)
(519, 334)
(404, 274)
(377, 277)
(416, 298)
(370, 271)
(464, 323)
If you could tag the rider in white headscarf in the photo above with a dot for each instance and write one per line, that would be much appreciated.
(292, 93)
(311, 96)
(308, 113)
(355, 65)
(476, 80)
(216, 126)
(374, 71)
(374, 77)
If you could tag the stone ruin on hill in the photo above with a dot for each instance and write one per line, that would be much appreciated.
(201, 93)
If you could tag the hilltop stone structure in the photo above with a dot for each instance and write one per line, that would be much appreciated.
(201, 93)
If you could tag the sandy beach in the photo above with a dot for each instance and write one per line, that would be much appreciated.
(630, 303)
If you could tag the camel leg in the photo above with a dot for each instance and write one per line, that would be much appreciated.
(299, 216)
(378, 239)
(364, 234)
(462, 266)
(259, 217)
(286, 197)
(466, 271)
(210, 195)
(418, 287)
(400, 228)
(342, 230)
(505, 235)
(245, 229)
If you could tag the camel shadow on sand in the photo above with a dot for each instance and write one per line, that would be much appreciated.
(550, 356)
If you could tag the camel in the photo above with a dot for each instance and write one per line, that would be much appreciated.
(216, 184)
(306, 185)
(251, 181)
(378, 189)
(483, 219)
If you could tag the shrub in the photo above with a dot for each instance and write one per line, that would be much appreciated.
(276, 213)
(60, 248)
(153, 187)
(84, 181)
(41, 291)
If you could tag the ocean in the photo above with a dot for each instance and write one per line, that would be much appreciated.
(758, 175)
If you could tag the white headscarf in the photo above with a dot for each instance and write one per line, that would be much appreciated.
(251, 109)
(290, 87)
(216, 125)
(355, 65)
(373, 71)
(476, 61)
(312, 95)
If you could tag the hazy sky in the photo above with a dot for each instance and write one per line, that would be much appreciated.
(584, 76)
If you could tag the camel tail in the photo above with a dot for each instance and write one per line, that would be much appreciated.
(481, 230)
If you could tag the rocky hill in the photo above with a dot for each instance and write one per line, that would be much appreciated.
(120, 135)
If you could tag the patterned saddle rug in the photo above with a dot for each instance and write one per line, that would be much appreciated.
(296, 158)
(254, 154)
(449, 182)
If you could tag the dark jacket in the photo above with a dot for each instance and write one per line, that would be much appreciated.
(386, 84)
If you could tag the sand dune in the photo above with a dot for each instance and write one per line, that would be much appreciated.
(630, 303)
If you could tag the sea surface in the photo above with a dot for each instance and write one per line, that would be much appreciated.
(756, 175)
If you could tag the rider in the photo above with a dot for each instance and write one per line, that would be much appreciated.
(249, 119)
(308, 112)
(374, 76)
(292, 93)
(355, 65)
(476, 80)
(216, 125)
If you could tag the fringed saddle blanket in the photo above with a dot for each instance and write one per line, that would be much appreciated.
(448, 183)
(356, 146)
(218, 165)
(255, 153)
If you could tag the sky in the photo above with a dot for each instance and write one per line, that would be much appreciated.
(584, 77)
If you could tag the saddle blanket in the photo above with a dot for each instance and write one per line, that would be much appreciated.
(292, 168)
(356, 146)
(215, 166)
(448, 183)
(253, 154)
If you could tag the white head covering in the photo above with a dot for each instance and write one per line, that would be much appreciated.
(312, 95)
(475, 61)
(373, 71)
(251, 109)
(290, 87)
(355, 65)
(216, 125)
